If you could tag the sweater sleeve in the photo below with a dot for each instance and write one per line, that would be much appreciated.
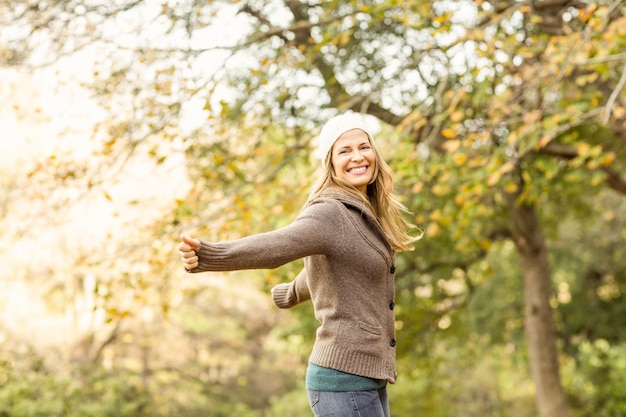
(289, 294)
(317, 231)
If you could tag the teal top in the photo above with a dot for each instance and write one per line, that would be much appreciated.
(319, 378)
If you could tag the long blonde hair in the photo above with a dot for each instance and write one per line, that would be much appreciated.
(380, 199)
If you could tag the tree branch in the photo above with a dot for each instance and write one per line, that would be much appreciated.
(301, 28)
(602, 59)
(613, 180)
(609, 104)
(297, 27)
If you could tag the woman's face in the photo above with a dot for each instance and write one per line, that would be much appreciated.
(354, 159)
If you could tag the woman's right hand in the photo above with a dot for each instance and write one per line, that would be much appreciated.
(188, 248)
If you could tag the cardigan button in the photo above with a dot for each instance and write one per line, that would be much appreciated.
(392, 270)
(392, 305)
(392, 342)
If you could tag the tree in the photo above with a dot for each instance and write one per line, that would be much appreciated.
(504, 105)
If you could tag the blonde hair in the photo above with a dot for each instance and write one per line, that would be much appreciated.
(380, 199)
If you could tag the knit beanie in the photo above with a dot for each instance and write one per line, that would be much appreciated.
(336, 127)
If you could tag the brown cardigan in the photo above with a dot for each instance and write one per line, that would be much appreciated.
(348, 275)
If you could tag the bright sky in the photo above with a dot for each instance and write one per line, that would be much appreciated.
(42, 115)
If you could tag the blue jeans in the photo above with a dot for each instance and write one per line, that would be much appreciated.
(372, 403)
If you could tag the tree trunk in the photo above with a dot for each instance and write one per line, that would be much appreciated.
(540, 335)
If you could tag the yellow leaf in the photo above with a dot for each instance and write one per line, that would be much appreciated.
(459, 158)
(494, 178)
(439, 189)
(451, 145)
(608, 159)
(477, 162)
(507, 167)
(510, 187)
(532, 116)
(586, 14)
(440, 19)
(583, 149)
(435, 215)
(433, 229)
(457, 116)
(544, 141)
(448, 133)
(595, 151)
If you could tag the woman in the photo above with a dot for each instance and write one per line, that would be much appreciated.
(348, 234)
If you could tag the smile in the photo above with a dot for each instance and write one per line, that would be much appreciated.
(357, 170)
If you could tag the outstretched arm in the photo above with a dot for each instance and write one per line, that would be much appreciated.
(289, 294)
(318, 230)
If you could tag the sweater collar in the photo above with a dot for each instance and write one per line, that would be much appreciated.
(349, 200)
(345, 198)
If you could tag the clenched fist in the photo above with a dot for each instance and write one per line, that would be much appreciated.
(188, 252)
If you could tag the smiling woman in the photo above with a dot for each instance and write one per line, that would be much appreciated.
(348, 234)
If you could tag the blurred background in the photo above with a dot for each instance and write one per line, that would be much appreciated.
(124, 124)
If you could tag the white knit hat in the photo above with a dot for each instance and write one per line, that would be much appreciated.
(336, 127)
